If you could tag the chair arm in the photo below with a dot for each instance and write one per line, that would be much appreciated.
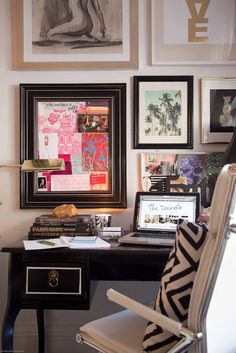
(146, 312)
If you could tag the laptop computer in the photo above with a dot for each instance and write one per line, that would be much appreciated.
(156, 216)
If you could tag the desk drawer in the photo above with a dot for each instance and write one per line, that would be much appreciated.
(53, 280)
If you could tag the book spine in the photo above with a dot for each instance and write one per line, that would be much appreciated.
(45, 235)
(73, 219)
(58, 224)
(80, 227)
(39, 229)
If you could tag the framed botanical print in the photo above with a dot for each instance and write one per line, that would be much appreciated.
(85, 125)
(163, 108)
(218, 109)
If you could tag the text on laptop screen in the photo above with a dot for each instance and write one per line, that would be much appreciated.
(160, 212)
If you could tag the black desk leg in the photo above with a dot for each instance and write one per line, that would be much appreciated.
(40, 321)
(8, 328)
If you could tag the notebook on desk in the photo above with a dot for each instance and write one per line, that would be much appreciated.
(156, 215)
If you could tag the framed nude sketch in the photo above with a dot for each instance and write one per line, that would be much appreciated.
(74, 34)
(85, 125)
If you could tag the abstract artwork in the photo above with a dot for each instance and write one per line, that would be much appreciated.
(196, 172)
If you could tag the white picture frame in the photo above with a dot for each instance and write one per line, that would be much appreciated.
(218, 109)
(179, 38)
(111, 45)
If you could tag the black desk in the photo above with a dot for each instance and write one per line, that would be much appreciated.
(60, 278)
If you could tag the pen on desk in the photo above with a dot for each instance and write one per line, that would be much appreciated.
(46, 242)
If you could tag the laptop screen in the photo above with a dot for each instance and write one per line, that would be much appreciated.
(161, 211)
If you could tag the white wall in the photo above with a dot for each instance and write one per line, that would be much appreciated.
(15, 222)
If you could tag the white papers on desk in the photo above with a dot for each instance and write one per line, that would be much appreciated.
(66, 242)
(37, 245)
(85, 244)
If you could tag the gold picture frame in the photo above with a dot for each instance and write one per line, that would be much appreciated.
(115, 47)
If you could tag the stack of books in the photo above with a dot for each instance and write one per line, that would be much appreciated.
(48, 226)
(110, 233)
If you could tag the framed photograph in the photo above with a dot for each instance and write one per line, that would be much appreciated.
(85, 124)
(74, 34)
(218, 109)
(163, 112)
(188, 32)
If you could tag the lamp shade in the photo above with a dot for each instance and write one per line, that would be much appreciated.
(230, 153)
(38, 165)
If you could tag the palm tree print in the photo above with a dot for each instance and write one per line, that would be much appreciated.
(163, 113)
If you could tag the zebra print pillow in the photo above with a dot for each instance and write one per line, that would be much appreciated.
(176, 284)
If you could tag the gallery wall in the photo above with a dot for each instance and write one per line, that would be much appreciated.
(15, 222)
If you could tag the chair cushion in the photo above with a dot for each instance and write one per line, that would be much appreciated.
(176, 284)
(117, 333)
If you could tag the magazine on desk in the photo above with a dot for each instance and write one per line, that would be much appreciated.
(65, 242)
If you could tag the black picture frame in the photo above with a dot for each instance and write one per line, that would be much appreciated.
(35, 96)
(151, 95)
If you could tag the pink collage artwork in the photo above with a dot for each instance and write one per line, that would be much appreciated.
(78, 132)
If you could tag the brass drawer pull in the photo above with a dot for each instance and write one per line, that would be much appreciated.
(53, 277)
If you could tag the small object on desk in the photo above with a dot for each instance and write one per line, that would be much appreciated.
(86, 237)
(110, 232)
(102, 220)
(46, 242)
(112, 229)
(65, 210)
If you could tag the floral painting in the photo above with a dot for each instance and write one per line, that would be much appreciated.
(95, 152)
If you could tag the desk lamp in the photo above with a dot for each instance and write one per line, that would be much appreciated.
(230, 154)
(37, 165)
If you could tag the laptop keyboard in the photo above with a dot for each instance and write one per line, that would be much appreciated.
(151, 236)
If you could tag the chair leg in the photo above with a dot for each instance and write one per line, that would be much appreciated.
(80, 340)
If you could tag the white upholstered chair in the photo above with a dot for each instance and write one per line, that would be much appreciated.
(211, 322)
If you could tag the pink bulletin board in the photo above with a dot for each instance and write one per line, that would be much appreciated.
(84, 125)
